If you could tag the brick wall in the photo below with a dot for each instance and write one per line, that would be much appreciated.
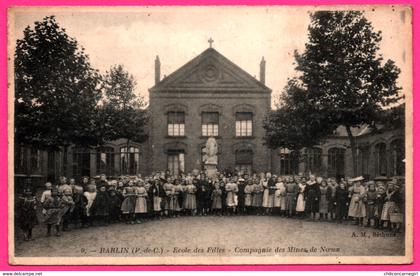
(193, 103)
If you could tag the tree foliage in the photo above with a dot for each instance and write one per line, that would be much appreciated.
(123, 113)
(296, 124)
(56, 89)
(343, 78)
(342, 69)
(61, 100)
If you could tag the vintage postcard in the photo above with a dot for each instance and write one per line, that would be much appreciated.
(210, 135)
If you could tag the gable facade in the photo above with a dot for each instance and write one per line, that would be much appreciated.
(208, 96)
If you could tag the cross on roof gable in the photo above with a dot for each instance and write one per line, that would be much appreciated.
(213, 72)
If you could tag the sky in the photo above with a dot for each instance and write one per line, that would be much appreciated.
(134, 36)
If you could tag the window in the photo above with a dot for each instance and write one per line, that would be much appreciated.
(243, 124)
(130, 160)
(243, 161)
(209, 124)
(314, 160)
(81, 162)
(51, 167)
(397, 158)
(176, 123)
(20, 159)
(28, 160)
(289, 162)
(35, 161)
(336, 162)
(176, 161)
(63, 157)
(380, 159)
(363, 162)
(105, 161)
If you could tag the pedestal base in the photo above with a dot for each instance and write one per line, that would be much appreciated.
(211, 169)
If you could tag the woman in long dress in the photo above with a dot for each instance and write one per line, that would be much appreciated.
(280, 197)
(216, 197)
(312, 194)
(141, 202)
(231, 196)
(169, 198)
(300, 203)
(158, 196)
(392, 199)
(357, 208)
(332, 184)
(257, 196)
(129, 203)
(323, 200)
(190, 199)
(53, 211)
(178, 190)
(291, 192)
(248, 196)
(341, 199)
(26, 213)
(266, 192)
(90, 196)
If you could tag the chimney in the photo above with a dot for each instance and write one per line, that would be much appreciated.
(262, 71)
(157, 70)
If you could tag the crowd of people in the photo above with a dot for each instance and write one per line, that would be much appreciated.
(137, 199)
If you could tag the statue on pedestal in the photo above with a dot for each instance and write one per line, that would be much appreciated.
(210, 157)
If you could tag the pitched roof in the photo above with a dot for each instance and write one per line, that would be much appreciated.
(357, 131)
(210, 71)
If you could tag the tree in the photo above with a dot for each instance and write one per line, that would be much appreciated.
(123, 113)
(56, 89)
(343, 74)
(295, 124)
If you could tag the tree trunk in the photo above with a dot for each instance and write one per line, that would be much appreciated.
(353, 147)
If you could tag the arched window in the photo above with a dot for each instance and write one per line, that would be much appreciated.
(105, 161)
(314, 160)
(130, 160)
(36, 159)
(21, 159)
(51, 166)
(397, 157)
(363, 161)
(289, 162)
(336, 162)
(380, 159)
(81, 162)
(176, 161)
(243, 161)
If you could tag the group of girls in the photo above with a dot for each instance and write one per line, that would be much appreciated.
(136, 199)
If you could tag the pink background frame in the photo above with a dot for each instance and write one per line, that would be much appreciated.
(5, 4)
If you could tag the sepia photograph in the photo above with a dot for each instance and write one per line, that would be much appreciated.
(212, 135)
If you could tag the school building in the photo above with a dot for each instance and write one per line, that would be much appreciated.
(211, 96)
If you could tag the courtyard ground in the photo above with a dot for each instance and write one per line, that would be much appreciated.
(238, 235)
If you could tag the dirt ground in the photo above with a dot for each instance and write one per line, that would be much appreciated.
(238, 235)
